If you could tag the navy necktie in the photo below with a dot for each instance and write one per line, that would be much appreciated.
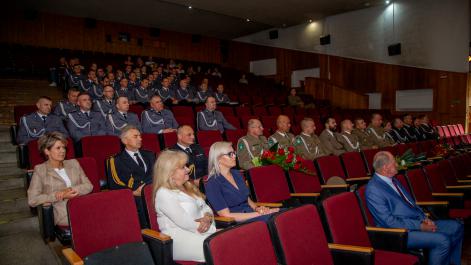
(44, 118)
(125, 117)
(139, 161)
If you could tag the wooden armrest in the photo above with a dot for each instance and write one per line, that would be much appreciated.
(350, 248)
(383, 229)
(269, 204)
(305, 194)
(431, 203)
(224, 219)
(29, 171)
(459, 187)
(72, 257)
(334, 186)
(448, 194)
(468, 176)
(155, 234)
(358, 179)
(435, 158)
(464, 180)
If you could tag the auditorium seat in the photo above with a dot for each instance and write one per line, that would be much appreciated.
(368, 156)
(100, 147)
(440, 131)
(182, 111)
(226, 110)
(110, 235)
(347, 226)
(150, 142)
(369, 219)
(36, 158)
(274, 110)
(402, 148)
(259, 111)
(18, 112)
(392, 149)
(186, 120)
(461, 168)
(299, 238)
(168, 140)
(355, 168)
(242, 111)
(233, 120)
(268, 184)
(207, 138)
(329, 166)
(136, 108)
(90, 168)
(449, 174)
(244, 119)
(233, 136)
(269, 123)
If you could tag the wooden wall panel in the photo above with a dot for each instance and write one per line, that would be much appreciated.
(339, 97)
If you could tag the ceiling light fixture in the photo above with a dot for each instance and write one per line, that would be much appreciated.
(387, 2)
(310, 20)
(190, 7)
(247, 20)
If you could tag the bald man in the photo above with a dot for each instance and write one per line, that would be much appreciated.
(197, 160)
(348, 140)
(307, 144)
(252, 145)
(211, 120)
(367, 140)
(282, 136)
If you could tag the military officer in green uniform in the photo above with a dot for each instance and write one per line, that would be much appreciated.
(348, 140)
(252, 145)
(377, 130)
(366, 139)
(307, 144)
(282, 136)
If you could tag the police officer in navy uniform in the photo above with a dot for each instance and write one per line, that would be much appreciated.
(92, 86)
(183, 94)
(76, 76)
(197, 160)
(203, 94)
(210, 119)
(142, 94)
(167, 94)
(64, 107)
(107, 104)
(117, 120)
(220, 97)
(85, 122)
(133, 82)
(157, 119)
(132, 168)
(35, 124)
(124, 91)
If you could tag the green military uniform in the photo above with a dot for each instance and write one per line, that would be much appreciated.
(332, 145)
(249, 147)
(366, 139)
(309, 147)
(283, 139)
(349, 141)
(379, 136)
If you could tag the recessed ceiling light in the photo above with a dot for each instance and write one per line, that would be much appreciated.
(247, 20)
(367, 4)
(310, 20)
(387, 2)
(190, 7)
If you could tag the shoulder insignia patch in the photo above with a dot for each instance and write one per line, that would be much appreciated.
(240, 146)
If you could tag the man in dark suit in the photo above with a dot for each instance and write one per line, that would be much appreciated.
(393, 207)
(197, 160)
(131, 168)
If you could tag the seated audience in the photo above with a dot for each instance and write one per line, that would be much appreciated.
(296, 101)
(210, 119)
(252, 145)
(226, 190)
(307, 144)
(157, 119)
(243, 80)
(56, 180)
(183, 93)
(117, 120)
(64, 107)
(84, 122)
(388, 133)
(367, 140)
(408, 128)
(393, 207)
(133, 82)
(329, 138)
(165, 93)
(417, 131)
(181, 209)
(75, 76)
(377, 130)
(91, 86)
(197, 160)
(282, 136)
(348, 140)
(107, 104)
(35, 124)
(142, 93)
(427, 129)
(203, 93)
(220, 97)
(124, 91)
(132, 167)
(398, 132)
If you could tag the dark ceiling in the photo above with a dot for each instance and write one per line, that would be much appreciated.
(222, 19)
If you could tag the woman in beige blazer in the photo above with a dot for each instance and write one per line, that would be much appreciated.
(57, 180)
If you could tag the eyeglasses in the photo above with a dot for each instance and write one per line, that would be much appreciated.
(231, 154)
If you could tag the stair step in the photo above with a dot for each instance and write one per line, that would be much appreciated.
(11, 169)
(12, 183)
(13, 217)
(8, 158)
(14, 206)
(13, 194)
(7, 148)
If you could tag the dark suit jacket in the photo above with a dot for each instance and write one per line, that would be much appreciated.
(123, 172)
(197, 160)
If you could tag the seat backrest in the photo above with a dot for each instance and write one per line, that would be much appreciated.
(186, 120)
(419, 184)
(451, 129)
(36, 158)
(456, 129)
(403, 180)
(414, 147)
(299, 237)
(354, 165)
(234, 135)
(21, 110)
(227, 111)
(402, 148)
(441, 132)
(207, 138)
(268, 184)
(269, 122)
(149, 206)
(247, 244)
(459, 166)
(150, 142)
(259, 111)
(447, 172)
(274, 110)
(436, 180)
(103, 220)
(304, 183)
(243, 111)
(446, 131)
(390, 149)
(170, 139)
(345, 221)
(460, 128)
(100, 147)
(329, 166)
(182, 111)
(233, 120)
(368, 156)
(90, 168)
(361, 194)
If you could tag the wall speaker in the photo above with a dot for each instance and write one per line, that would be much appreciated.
(154, 32)
(394, 49)
(325, 40)
(273, 34)
(90, 23)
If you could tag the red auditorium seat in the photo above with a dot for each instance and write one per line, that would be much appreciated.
(233, 120)
(207, 138)
(391, 149)
(21, 110)
(355, 168)
(256, 100)
(448, 172)
(150, 142)
(269, 123)
(368, 156)
(226, 110)
(259, 111)
(441, 132)
(247, 244)
(233, 136)
(274, 110)
(136, 108)
(169, 139)
(90, 168)
(36, 158)
(329, 166)
(241, 111)
(346, 225)
(244, 99)
(301, 182)
(370, 221)
(402, 148)
(245, 119)
(289, 111)
(299, 238)
(182, 111)
(103, 234)
(460, 128)
(461, 167)
(451, 129)
(268, 184)
(186, 120)
(100, 147)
